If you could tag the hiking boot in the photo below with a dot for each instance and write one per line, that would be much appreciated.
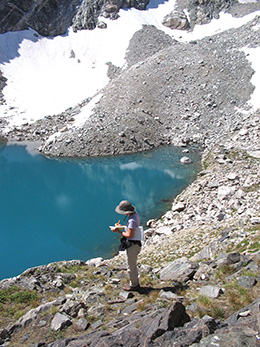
(129, 288)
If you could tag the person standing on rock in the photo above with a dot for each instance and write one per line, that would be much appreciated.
(131, 241)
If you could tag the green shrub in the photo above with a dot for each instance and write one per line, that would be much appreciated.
(204, 300)
(23, 297)
(14, 299)
(217, 312)
(224, 270)
(238, 296)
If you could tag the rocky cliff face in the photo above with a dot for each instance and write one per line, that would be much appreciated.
(2, 85)
(89, 11)
(53, 17)
(47, 17)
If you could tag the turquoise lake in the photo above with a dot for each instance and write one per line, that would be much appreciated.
(53, 210)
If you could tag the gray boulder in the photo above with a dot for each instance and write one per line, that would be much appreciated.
(202, 12)
(240, 329)
(247, 281)
(126, 295)
(227, 340)
(211, 291)
(164, 230)
(178, 207)
(152, 325)
(32, 315)
(176, 20)
(82, 324)
(204, 272)
(228, 259)
(96, 262)
(207, 252)
(72, 307)
(180, 270)
(4, 335)
(255, 220)
(225, 192)
(233, 258)
(190, 333)
(60, 321)
(185, 160)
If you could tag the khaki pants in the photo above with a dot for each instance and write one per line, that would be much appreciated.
(132, 253)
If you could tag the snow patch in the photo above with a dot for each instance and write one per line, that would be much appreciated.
(46, 76)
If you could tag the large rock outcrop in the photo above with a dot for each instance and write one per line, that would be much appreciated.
(89, 11)
(47, 17)
(203, 11)
(53, 17)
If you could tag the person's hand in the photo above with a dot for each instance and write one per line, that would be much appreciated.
(117, 228)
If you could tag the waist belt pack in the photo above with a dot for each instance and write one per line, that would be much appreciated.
(125, 243)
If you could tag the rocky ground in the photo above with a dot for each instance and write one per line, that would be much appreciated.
(199, 271)
(199, 266)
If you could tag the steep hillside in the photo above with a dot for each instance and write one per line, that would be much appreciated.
(199, 271)
(199, 265)
(168, 91)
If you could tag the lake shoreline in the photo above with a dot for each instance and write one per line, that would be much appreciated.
(59, 189)
(208, 224)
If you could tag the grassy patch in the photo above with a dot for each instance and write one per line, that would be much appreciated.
(148, 300)
(223, 271)
(238, 296)
(204, 300)
(217, 311)
(231, 248)
(208, 161)
(15, 302)
(249, 273)
(252, 188)
(54, 310)
(77, 282)
(242, 246)
(147, 280)
(211, 307)
(255, 246)
(17, 295)
(73, 269)
(55, 335)
(194, 251)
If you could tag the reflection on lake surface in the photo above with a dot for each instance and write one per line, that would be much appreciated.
(55, 210)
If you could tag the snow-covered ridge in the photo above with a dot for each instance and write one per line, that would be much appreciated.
(45, 76)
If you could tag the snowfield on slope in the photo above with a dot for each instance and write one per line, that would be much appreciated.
(45, 76)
